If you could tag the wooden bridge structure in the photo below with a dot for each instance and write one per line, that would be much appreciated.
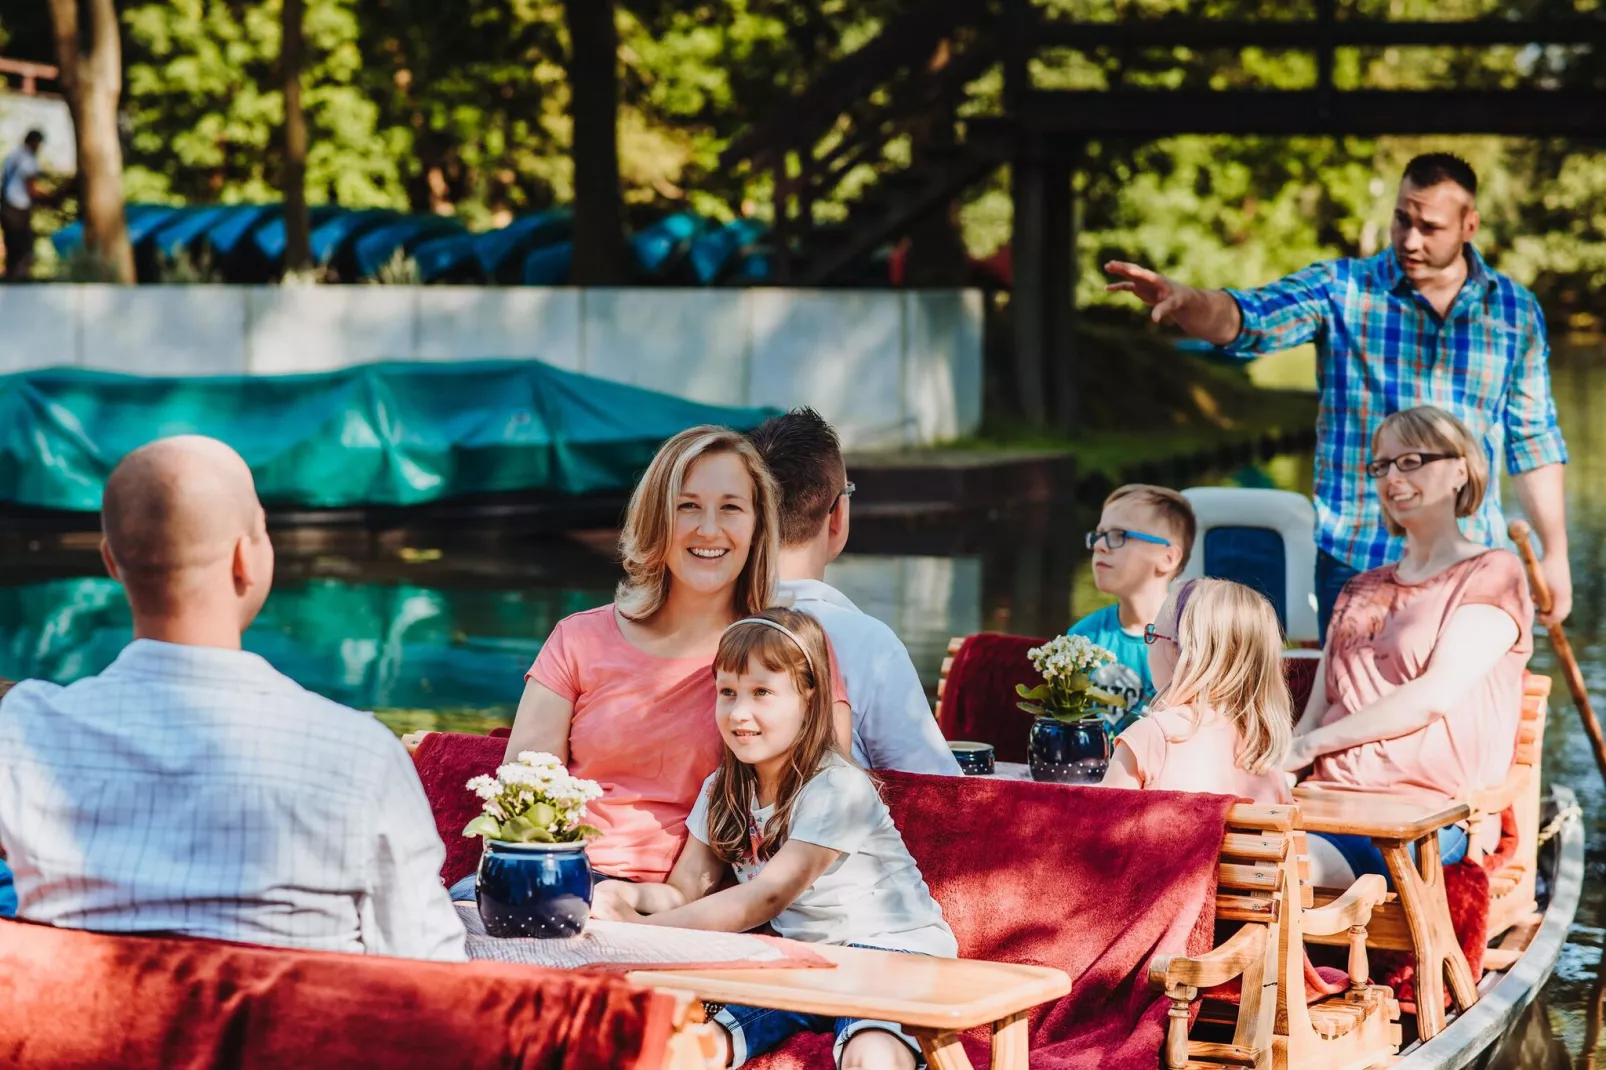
(907, 85)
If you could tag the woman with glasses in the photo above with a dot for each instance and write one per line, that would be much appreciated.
(1420, 689)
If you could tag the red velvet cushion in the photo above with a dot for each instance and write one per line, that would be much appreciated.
(84, 1001)
(446, 761)
(1301, 676)
(978, 701)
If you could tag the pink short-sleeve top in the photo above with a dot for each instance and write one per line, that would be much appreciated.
(1383, 635)
(1177, 749)
(643, 728)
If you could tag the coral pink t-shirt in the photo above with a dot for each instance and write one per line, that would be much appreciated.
(643, 728)
(1383, 634)
(1174, 751)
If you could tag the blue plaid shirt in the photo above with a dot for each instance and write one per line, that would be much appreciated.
(1381, 348)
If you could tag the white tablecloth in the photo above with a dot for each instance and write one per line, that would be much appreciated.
(619, 945)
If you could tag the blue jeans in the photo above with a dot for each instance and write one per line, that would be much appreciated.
(8, 893)
(1363, 855)
(1331, 576)
(756, 1030)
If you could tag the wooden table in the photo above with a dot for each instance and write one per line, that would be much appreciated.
(1393, 825)
(936, 999)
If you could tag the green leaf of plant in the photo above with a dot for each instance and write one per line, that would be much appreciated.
(538, 835)
(483, 825)
(1031, 708)
(1036, 694)
(542, 815)
(585, 832)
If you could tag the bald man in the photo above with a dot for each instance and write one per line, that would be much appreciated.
(192, 789)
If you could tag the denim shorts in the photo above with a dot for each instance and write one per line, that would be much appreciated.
(1363, 855)
(756, 1030)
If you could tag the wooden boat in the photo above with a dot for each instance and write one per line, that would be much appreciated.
(1533, 895)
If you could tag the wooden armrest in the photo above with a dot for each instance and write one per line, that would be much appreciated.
(1352, 908)
(1217, 966)
(1495, 800)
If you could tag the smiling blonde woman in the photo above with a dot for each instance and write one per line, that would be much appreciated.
(624, 693)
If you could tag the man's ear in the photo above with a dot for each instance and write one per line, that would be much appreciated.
(109, 561)
(244, 575)
(1470, 223)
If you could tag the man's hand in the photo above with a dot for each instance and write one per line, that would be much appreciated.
(1152, 288)
(1212, 315)
(1559, 578)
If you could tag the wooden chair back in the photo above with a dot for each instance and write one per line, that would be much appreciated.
(1512, 897)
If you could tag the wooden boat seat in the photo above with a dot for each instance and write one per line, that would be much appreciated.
(1513, 907)
(1274, 1026)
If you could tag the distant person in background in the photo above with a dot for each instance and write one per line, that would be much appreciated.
(1425, 322)
(1143, 541)
(893, 726)
(190, 788)
(19, 193)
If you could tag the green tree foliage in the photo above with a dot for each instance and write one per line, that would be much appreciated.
(462, 107)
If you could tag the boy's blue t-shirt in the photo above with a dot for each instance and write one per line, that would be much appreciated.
(1128, 675)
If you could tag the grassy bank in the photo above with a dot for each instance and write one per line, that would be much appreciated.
(1146, 403)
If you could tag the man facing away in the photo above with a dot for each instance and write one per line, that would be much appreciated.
(19, 191)
(1425, 322)
(892, 724)
(190, 788)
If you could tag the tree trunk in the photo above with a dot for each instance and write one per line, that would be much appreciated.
(297, 237)
(92, 79)
(600, 255)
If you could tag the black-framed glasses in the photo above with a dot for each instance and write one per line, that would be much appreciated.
(1151, 636)
(1405, 462)
(1115, 538)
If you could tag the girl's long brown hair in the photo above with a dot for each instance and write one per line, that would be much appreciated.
(735, 783)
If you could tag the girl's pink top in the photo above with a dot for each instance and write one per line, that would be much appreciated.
(1176, 750)
(643, 728)
(1383, 634)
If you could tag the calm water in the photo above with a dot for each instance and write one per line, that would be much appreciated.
(436, 630)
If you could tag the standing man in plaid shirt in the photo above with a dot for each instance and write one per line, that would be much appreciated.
(1425, 322)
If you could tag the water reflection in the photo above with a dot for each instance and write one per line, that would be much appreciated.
(446, 645)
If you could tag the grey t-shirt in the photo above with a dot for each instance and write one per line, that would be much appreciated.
(873, 893)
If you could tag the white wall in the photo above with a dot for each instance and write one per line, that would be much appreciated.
(886, 367)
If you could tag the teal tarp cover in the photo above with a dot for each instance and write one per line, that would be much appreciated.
(378, 434)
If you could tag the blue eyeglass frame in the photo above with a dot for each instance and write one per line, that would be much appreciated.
(1094, 536)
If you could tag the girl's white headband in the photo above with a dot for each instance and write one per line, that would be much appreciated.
(784, 630)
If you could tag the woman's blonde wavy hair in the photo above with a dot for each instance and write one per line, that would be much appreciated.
(649, 527)
(1231, 660)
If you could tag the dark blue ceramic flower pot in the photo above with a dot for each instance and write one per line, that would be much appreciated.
(1077, 752)
(533, 889)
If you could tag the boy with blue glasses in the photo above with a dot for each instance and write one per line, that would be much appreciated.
(1144, 536)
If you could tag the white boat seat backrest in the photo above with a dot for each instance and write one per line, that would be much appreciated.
(1259, 537)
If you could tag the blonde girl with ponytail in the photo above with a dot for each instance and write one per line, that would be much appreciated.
(1222, 720)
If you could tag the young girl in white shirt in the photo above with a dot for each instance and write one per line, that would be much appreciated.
(813, 848)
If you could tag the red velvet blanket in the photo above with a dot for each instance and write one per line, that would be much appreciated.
(74, 1000)
(978, 701)
(1094, 881)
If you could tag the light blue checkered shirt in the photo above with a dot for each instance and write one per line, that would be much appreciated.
(195, 790)
(1381, 348)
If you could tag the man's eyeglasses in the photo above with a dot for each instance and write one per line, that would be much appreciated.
(1115, 538)
(1405, 462)
(845, 492)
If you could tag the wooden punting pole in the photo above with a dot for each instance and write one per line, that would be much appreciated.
(1521, 535)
